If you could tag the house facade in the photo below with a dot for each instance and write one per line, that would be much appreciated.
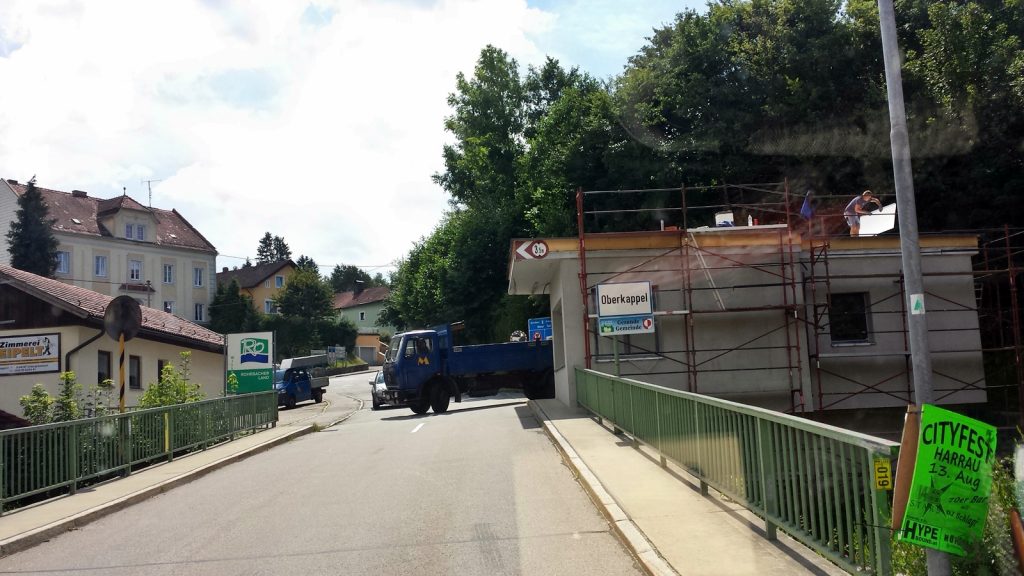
(763, 316)
(363, 308)
(261, 282)
(50, 327)
(117, 246)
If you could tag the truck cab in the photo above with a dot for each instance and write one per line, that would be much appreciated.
(413, 368)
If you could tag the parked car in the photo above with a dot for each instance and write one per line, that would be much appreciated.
(378, 389)
(301, 379)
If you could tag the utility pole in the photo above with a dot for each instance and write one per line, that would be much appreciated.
(149, 186)
(906, 210)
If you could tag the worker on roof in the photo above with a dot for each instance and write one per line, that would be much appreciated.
(857, 208)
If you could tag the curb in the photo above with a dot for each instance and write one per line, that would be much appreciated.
(628, 532)
(42, 534)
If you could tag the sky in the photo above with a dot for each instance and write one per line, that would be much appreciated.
(320, 122)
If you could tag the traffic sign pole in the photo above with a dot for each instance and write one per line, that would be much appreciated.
(120, 344)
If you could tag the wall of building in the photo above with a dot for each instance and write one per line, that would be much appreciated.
(207, 367)
(370, 312)
(83, 249)
(267, 289)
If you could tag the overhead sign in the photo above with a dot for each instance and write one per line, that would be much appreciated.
(952, 480)
(532, 249)
(251, 360)
(539, 328)
(29, 354)
(619, 325)
(624, 299)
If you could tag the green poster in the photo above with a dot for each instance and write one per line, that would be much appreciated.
(952, 479)
(254, 380)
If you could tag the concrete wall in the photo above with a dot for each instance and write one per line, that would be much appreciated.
(207, 367)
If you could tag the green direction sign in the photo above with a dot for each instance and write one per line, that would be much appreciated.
(250, 358)
(952, 480)
(254, 380)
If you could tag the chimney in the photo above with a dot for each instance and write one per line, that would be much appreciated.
(358, 289)
(78, 194)
(224, 269)
(12, 180)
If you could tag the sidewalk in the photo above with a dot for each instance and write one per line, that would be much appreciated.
(35, 524)
(660, 513)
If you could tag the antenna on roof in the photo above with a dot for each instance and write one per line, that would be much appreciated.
(124, 190)
(149, 186)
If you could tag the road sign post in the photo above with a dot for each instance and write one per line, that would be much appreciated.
(122, 320)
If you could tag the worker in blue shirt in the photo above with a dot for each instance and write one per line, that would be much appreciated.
(856, 208)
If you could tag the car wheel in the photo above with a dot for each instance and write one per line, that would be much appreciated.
(318, 395)
(289, 401)
(376, 402)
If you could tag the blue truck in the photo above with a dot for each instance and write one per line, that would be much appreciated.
(301, 379)
(424, 369)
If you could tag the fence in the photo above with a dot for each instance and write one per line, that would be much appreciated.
(815, 482)
(39, 460)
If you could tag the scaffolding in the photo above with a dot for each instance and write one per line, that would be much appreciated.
(796, 258)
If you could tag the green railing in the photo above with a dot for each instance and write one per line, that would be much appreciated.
(45, 460)
(815, 482)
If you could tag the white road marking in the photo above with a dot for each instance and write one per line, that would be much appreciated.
(416, 429)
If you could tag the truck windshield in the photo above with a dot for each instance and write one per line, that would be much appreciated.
(393, 348)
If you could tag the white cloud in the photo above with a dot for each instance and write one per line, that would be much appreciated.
(322, 126)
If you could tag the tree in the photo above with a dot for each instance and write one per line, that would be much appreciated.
(265, 251)
(306, 263)
(232, 311)
(344, 278)
(306, 296)
(30, 240)
(37, 405)
(174, 387)
(281, 249)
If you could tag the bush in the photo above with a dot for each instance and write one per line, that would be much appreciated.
(175, 386)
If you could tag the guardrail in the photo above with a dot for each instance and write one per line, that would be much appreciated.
(41, 460)
(815, 482)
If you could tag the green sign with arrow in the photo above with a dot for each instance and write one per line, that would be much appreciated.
(952, 480)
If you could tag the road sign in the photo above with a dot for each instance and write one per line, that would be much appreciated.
(539, 328)
(532, 249)
(251, 360)
(624, 299)
(619, 325)
(917, 303)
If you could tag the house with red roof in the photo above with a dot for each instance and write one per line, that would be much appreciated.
(117, 246)
(48, 327)
(363, 307)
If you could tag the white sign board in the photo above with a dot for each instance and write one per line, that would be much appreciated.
(917, 303)
(879, 221)
(251, 360)
(624, 299)
(29, 354)
(617, 325)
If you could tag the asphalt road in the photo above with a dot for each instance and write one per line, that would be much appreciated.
(479, 490)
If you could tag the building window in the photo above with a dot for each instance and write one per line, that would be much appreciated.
(100, 268)
(362, 316)
(266, 283)
(199, 313)
(135, 372)
(169, 306)
(168, 273)
(63, 262)
(278, 281)
(160, 369)
(135, 270)
(140, 232)
(102, 366)
(848, 318)
(197, 277)
(129, 231)
(269, 307)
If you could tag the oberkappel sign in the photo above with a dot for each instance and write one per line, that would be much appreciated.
(624, 299)
(952, 480)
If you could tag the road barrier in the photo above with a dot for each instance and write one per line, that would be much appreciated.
(822, 485)
(43, 460)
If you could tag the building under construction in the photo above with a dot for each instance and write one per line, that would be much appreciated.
(787, 312)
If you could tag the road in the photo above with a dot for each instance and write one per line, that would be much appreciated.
(478, 490)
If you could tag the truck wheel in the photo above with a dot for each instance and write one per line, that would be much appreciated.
(318, 395)
(289, 401)
(439, 398)
(420, 405)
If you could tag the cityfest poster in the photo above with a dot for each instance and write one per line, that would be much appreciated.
(952, 480)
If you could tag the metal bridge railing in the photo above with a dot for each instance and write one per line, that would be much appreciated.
(47, 459)
(815, 482)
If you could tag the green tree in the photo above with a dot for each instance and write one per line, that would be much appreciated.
(66, 405)
(37, 405)
(231, 310)
(306, 263)
(30, 240)
(306, 296)
(174, 387)
(345, 276)
(265, 253)
(281, 249)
